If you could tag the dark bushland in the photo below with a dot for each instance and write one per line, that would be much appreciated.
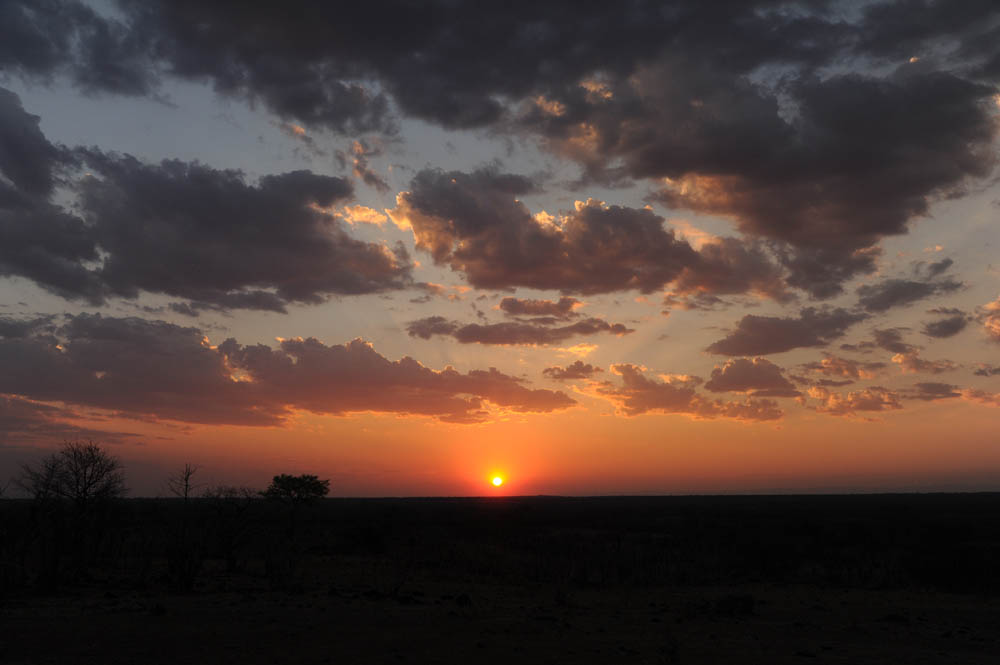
(231, 536)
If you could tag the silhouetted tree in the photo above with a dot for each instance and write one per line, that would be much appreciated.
(86, 477)
(300, 489)
(186, 541)
(40, 482)
(231, 520)
(84, 473)
(181, 484)
(283, 559)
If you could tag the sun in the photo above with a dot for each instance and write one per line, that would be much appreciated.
(497, 481)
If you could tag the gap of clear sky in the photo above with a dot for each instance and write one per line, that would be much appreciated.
(589, 249)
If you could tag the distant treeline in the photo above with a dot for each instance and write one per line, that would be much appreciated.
(940, 542)
(78, 529)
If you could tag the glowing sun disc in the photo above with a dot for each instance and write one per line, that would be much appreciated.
(497, 481)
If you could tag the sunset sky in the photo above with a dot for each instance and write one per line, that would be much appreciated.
(592, 248)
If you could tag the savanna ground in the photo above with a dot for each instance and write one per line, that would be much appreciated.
(234, 579)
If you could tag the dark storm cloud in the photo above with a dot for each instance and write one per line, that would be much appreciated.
(11, 328)
(142, 227)
(821, 271)
(145, 368)
(762, 335)
(862, 157)
(511, 332)
(931, 391)
(693, 302)
(47, 38)
(805, 124)
(906, 355)
(576, 370)
(732, 266)
(891, 293)
(154, 369)
(27, 158)
(947, 327)
(936, 268)
(256, 246)
(891, 339)
(39, 240)
(561, 309)
(758, 377)
(353, 377)
(639, 394)
(475, 224)
(26, 422)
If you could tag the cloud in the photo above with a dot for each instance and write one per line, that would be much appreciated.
(875, 398)
(23, 422)
(937, 267)
(947, 327)
(911, 363)
(762, 335)
(981, 397)
(932, 391)
(758, 377)
(890, 293)
(731, 266)
(158, 370)
(836, 366)
(564, 308)
(794, 121)
(511, 333)
(353, 377)
(987, 370)
(299, 134)
(27, 158)
(360, 152)
(140, 227)
(475, 224)
(891, 339)
(990, 316)
(576, 370)
(804, 125)
(257, 246)
(696, 302)
(42, 40)
(862, 157)
(359, 214)
(639, 394)
(38, 239)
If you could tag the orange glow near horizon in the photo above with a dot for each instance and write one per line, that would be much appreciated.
(579, 454)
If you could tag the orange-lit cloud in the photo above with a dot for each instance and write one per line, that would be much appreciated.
(874, 399)
(638, 394)
(162, 371)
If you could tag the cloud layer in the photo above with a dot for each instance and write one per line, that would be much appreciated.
(158, 370)
(177, 228)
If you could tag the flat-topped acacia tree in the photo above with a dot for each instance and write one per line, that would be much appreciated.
(293, 493)
(296, 490)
